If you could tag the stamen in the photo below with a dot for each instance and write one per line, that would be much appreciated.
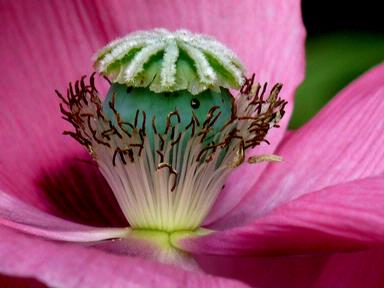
(169, 180)
(264, 158)
(239, 158)
(192, 126)
(171, 170)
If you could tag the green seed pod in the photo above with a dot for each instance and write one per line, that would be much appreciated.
(157, 73)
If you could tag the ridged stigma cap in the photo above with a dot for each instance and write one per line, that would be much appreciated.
(167, 61)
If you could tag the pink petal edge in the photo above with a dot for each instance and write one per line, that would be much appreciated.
(23, 217)
(338, 270)
(64, 265)
(344, 217)
(353, 270)
(121, 241)
(267, 272)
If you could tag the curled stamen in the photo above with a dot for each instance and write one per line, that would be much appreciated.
(171, 171)
(210, 115)
(92, 81)
(161, 155)
(112, 106)
(143, 122)
(109, 81)
(61, 97)
(119, 152)
(168, 121)
(192, 126)
(136, 118)
(94, 132)
(213, 121)
(111, 131)
(154, 125)
(195, 118)
(162, 141)
(197, 153)
(247, 86)
(212, 147)
(175, 141)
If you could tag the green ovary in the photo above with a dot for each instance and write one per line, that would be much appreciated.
(129, 100)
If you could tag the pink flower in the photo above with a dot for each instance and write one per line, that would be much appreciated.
(278, 225)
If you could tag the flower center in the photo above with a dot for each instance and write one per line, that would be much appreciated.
(169, 132)
(166, 155)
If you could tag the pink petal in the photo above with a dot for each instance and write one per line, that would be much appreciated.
(23, 217)
(274, 50)
(59, 265)
(353, 270)
(43, 46)
(267, 272)
(341, 270)
(339, 218)
(46, 44)
(343, 143)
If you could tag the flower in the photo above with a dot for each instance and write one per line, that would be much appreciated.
(167, 134)
(325, 198)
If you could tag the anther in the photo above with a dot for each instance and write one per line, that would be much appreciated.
(143, 122)
(192, 125)
(210, 115)
(264, 158)
(171, 171)
(161, 155)
(107, 79)
(174, 142)
(61, 97)
(121, 154)
(136, 118)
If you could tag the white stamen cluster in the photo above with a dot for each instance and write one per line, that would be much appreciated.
(172, 183)
(132, 60)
